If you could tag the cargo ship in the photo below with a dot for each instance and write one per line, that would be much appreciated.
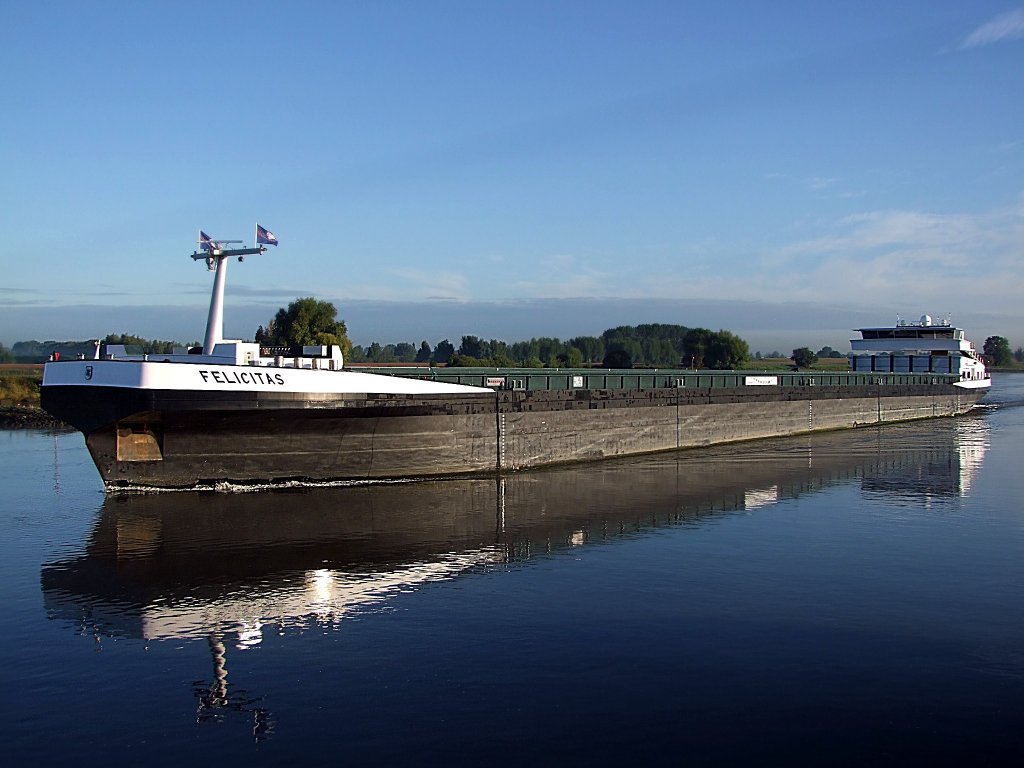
(233, 413)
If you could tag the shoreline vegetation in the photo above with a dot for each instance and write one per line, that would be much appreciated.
(19, 399)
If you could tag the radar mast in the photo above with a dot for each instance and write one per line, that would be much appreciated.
(216, 254)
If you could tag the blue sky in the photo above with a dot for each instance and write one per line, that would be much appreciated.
(787, 170)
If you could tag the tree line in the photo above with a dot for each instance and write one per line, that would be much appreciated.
(308, 321)
(649, 345)
(33, 351)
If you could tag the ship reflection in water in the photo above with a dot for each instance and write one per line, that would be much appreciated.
(227, 568)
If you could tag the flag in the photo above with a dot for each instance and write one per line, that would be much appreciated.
(205, 243)
(265, 236)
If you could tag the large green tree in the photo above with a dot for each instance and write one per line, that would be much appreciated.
(997, 351)
(803, 357)
(726, 351)
(308, 321)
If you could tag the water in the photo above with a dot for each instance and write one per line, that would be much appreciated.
(851, 597)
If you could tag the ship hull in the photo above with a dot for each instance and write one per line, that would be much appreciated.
(180, 438)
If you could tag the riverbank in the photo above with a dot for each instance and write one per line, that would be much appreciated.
(28, 417)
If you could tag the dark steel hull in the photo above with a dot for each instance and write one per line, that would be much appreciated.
(175, 438)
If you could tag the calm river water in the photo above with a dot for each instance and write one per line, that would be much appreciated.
(849, 598)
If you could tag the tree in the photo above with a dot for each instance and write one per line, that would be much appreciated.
(827, 351)
(617, 357)
(405, 352)
(423, 356)
(473, 346)
(591, 347)
(465, 361)
(803, 357)
(726, 351)
(443, 351)
(573, 357)
(502, 360)
(308, 321)
(997, 351)
(695, 346)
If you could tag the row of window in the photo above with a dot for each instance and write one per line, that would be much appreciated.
(912, 333)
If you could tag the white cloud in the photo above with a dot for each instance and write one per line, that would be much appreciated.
(909, 259)
(1007, 26)
(900, 261)
(817, 183)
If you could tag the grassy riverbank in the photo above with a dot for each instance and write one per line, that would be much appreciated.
(19, 384)
(19, 399)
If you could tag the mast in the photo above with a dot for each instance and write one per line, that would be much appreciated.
(215, 320)
(216, 258)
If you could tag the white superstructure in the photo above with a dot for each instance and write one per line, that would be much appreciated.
(230, 365)
(922, 346)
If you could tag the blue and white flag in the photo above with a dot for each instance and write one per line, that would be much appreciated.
(205, 243)
(265, 236)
